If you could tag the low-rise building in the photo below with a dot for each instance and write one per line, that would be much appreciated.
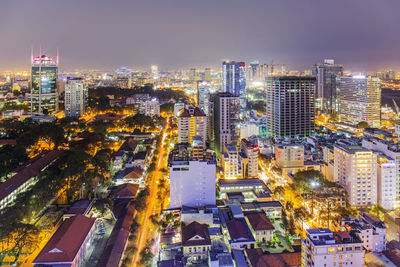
(261, 228)
(196, 242)
(230, 162)
(322, 247)
(240, 236)
(371, 231)
(69, 244)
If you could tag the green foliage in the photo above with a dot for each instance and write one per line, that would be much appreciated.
(141, 199)
(302, 181)
(362, 125)
(10, 158)
(167, 108)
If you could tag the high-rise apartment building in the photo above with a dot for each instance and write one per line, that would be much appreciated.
(192, 183)
(289, 155)
(250, 151)
(203, 97)
(226, 120)
(191, 122)
(75, 98)
(322, 247)
(355, 168)
(359, 99)
(234, 80)
(326, 91)
(43, 97)
(290, 106)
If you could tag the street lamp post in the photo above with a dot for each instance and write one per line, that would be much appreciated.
(314, 185)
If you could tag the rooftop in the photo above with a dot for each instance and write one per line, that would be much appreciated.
(258, 259)
(259, 222)
(66, 241)
(195, 234)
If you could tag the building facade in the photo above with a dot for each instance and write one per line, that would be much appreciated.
(356, 170)
(325, 248)
(43, 97)
(226, 120)
(230, 162)
(191, 122)
(251, 152)
(75, 98)
(290, 106)
(203, 97)
(326, 91)
(360, 100)
(192, 183)
(234, 80)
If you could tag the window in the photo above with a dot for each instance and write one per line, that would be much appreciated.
(331, 250)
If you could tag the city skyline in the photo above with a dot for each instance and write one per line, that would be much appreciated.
(180, 34)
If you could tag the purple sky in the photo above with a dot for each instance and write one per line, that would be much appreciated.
(105, 34)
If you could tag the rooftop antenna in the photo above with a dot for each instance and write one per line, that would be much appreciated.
(57, 56)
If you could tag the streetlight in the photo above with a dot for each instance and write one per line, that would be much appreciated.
(314, 184)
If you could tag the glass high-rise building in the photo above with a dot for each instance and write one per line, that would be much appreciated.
(326, 91)
(359, 99)
(43, 96)
(290, 106)
(234, 80)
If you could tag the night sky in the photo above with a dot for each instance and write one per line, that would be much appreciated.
(106, 34)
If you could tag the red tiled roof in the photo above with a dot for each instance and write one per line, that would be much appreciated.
(197, 112)
(32, 170)
(66, 241)
(129, 145)
(258, 259)
(8, 142)
(195, 229)
(237, 230)
(133, 173)
(125, 191)
(259, 222)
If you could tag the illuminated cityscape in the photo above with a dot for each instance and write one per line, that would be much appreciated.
(179, 133)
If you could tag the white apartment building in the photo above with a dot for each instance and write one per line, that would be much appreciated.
(192, 183)
(323, 248)
(355, 169)
(391, 150)
(191, 122)
(371, 231)
(230, 162)
(75, 98)
(251, 152)
(151, 108)
(387, 183)
(289, 155)
(177, 107)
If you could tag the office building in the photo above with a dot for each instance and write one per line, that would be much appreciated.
(355, 168)
(192, 183)
(360, 100)
(75, 98)
(326, 91)
(151, 108)
(230, 162)
(203, 97)
(191, 122)
(290, 106)
(226, 120)
(250, 151)
(322, 247)
(234, 80)
(43, 97)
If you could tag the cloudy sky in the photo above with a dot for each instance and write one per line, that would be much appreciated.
(106, 34)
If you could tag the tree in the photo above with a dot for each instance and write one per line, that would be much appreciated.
(140, 202)
(362, 125)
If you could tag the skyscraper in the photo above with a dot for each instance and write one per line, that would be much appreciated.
(154, 72)
(207, 74)
(290, 106)
(234, 80)
(359, 99)
(226, 120)
(204, 97)
(43, 98)
(193, 75)
(75, 98)
(326, 94)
